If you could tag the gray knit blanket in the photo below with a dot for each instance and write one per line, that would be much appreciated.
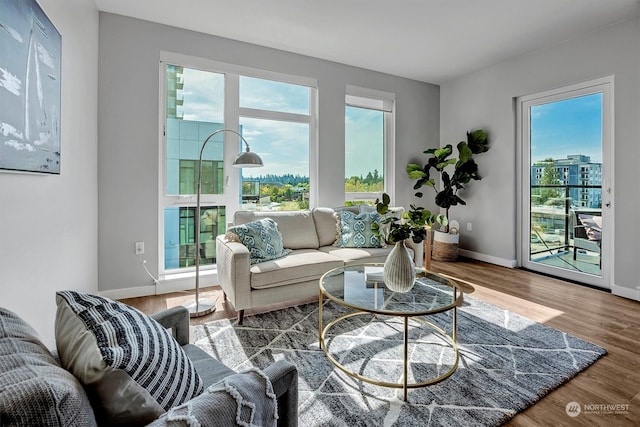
(245, 399)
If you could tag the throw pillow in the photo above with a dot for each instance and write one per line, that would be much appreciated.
(133, 369)
(34, 389)
(355, 230)
(261, 237)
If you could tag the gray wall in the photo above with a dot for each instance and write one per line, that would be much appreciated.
(48, 224)
(128, 149)
(486, 99)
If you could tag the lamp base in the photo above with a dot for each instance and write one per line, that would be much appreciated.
(201, 308)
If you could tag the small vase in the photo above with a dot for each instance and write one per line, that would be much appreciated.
(399, 270)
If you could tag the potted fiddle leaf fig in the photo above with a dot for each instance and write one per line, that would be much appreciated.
(454, 173)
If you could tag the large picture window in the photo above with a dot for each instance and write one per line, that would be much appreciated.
(194, 110)
(275, 119)
(272, 112)
(369, 142)
(283, 183)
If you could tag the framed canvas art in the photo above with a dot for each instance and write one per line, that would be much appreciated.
(30, 69)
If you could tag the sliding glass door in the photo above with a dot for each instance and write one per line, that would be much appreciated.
(566, 190)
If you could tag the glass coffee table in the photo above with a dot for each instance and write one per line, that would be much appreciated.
(361, 290)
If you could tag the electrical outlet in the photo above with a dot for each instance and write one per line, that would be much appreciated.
(469, 226)
(139, 248)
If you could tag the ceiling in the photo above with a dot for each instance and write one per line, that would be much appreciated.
(426, 40)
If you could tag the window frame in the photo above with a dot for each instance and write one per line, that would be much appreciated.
(372, 99)
(232, 114)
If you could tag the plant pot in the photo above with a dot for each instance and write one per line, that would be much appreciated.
(445, 246)
(399, 269)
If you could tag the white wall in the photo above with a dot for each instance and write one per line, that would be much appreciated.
(486, 99)
(48, 224)
(129, 138)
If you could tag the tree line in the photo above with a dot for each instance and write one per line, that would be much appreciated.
(372, 182)
(295, 188)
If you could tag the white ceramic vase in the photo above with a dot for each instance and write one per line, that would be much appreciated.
(399, 269)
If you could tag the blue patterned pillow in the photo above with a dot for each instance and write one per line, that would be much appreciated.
(262, 238)
(356, 231)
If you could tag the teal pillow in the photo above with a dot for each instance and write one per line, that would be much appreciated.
(356, 230)
(261, 237)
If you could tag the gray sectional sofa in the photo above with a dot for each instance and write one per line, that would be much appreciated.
(309, 235)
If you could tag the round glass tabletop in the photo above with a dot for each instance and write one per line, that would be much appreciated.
(361, 287)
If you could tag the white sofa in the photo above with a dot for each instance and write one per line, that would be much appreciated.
(309, 235)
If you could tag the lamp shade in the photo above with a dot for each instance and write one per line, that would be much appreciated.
(247, 159)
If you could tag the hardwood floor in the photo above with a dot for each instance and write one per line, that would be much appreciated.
(593, 315)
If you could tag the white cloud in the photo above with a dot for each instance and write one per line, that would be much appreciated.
(203, 96)
(6, 129)
(10, 82)
(43, 138)
(19, 146)
(45, 57)
(13, 33)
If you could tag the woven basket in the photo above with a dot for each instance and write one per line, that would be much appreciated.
(444, 251)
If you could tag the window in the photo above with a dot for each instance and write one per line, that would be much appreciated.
(272, 112)
(369, 145)
(194, 110)
(275, 118)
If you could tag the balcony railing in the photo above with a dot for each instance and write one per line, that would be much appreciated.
(561, 217)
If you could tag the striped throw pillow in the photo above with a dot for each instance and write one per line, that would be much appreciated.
(127, 360)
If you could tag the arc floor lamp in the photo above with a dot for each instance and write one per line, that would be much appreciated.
(245, 159)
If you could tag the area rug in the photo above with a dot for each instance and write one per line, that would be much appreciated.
(507, 363)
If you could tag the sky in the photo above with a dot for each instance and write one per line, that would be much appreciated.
(363, 141)
(571, 126)
(283, 146)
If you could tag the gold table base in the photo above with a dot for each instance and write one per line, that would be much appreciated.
(452, 340)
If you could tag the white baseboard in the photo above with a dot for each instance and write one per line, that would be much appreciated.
(138, 291)
(177, 283)
(488, 258)
(623, 291)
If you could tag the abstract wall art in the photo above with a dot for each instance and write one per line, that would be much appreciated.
(30, 69)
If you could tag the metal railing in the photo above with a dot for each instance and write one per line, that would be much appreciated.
(568, 208)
